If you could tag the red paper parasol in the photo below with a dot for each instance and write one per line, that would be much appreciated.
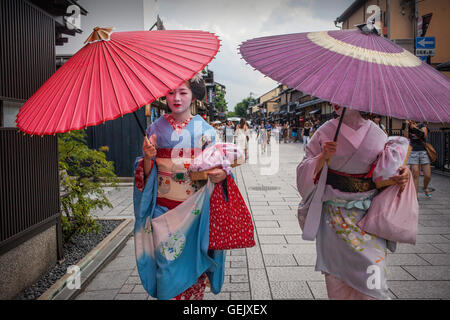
(115, 74)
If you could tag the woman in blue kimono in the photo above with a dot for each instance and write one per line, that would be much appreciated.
(178, 269)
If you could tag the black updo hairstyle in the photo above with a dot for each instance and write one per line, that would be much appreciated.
(197, 86)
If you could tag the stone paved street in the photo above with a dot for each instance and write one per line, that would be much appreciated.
(281, 265)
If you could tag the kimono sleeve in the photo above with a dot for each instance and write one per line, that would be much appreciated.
(306, 168)
(393, 156)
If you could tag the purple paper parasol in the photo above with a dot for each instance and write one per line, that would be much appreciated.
(353, 69)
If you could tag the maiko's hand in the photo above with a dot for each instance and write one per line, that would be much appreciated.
(217, 175)
(149, 147)
(402, 178)
(329, 149)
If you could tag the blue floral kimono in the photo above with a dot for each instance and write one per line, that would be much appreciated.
(172, 245)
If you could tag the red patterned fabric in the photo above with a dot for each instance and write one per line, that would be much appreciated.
(139, 175)
(195, 292)
(177, 126)
(230, 222)
(169, 204)
(178, 152)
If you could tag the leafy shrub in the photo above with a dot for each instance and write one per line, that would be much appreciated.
(83, 174)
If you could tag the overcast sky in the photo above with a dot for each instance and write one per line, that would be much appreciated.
(235, 21)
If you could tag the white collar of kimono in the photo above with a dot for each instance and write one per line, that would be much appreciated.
(355, 137)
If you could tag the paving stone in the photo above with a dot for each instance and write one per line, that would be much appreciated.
(306, 259)
(429, 272)
(318, 289)
(432, 238)
(132, 296)
(97, 295)
(290, 290)
(275, 231)
(238, 252)
(259, 285)
(418, 248)
(235, 271)
(239, 264)
(443, 246)
(239, 278)
(433, 230)
(264, 239)
(398, 273)
(293, 274)
(233, 287)
(133, 280)
(240, 296)
(297, 239)
(254, 258)
(285, 212)
(127, 288)
(288, 248)
(121, 263)
(263, 224)
(434, 223)
(109, 280)
(409, 259)
(420, 289)
(436, 259)
(275, 260)
(256, 212)
(139, 289)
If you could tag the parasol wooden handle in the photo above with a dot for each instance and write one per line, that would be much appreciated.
(338, 129)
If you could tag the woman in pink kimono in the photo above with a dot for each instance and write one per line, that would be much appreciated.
(334, 180)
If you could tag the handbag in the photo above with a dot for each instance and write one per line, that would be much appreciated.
(230, 221)
(393, 217)
(432, 154)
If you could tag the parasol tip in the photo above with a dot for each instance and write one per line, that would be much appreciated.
(364, 27)
(99, 34)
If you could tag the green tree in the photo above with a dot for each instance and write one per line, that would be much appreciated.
(83, 173)
(241, 108)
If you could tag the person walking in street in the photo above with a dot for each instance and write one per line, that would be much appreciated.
(345, 253)
(229, 132)
(377, 119)
(161, 185)
(418, 159)
(261, 137)
(285, 132)
(242, 136)
(305, 134)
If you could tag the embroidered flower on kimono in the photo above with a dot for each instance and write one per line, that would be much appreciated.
(337, 220)
(173, 247)
(344, 226)
(348, 221)
(355, 242)
(351, 236)
(367, 237)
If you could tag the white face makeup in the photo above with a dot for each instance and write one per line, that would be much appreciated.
(180, 99)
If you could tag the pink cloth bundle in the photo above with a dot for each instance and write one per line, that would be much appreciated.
(224, 155)
(394, 155)
(393, 216)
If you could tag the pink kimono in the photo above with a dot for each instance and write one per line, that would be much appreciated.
(354, 262)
